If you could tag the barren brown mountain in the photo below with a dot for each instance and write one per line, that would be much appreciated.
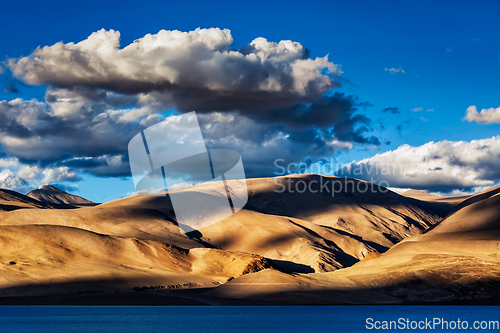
(311, 246)
(51, 194)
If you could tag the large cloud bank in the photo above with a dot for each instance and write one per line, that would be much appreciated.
(196, 69)
(267, 100)
(436, 166)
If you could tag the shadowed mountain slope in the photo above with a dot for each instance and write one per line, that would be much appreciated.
(51, 194)
(293, 225)
(458, 262)
(11, 200)
(314, 229)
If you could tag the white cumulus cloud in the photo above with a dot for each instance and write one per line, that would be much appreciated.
(486, 116)
(22, 177)
(436, 166)
(178, 66)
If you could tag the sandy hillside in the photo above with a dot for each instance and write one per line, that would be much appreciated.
(459, 260)
(302, 232)
(35, 257)
(324, 247)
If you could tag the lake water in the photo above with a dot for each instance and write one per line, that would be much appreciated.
(220, 319)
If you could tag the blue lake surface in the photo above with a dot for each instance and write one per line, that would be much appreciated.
(220, 319)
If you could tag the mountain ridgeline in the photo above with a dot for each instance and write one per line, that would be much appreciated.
(363, 245)
(53, 195)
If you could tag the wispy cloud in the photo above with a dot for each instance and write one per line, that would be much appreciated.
(393, 110)
(399, 129)
(10, 87)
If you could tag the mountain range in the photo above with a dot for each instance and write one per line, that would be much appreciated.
(283, 247)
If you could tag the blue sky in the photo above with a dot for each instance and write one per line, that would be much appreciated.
(415, 56)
